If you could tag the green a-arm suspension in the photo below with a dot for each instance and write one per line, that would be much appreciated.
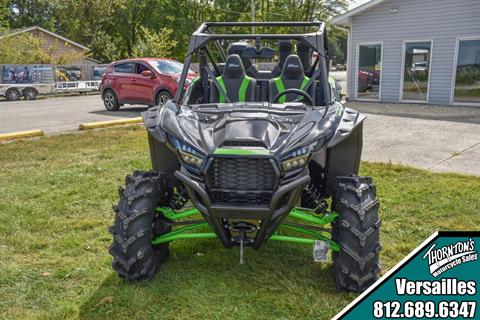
(313, 229)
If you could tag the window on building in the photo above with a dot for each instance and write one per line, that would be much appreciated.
(128, 67)
(467, 79)
(369, 71)
(416, 70)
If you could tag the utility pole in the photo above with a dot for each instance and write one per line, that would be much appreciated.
(252, 5)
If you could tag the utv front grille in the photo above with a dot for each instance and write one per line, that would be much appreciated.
(241, 180)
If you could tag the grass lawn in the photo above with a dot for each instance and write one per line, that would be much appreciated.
(56, 195)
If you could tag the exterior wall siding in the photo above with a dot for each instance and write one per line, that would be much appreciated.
(441, 21)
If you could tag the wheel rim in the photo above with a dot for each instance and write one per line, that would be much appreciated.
(14, 95)
(109, 100)
(30, 94)
(163, 98)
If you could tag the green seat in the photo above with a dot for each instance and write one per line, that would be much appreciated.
(292, 77)
(234, 82)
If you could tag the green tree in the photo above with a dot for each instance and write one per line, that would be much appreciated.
(26, 13)
(337, 44)
(116, 29)
(154, 44)
(4, 14)
(89, 22)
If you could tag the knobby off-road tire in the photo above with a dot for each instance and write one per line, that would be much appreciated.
(137, 224)
(357, 230)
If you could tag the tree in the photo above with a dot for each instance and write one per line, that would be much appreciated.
(4, 14)
(91, 23)
(337, 45)
(117, 29)
(26, 13)
(154, 44)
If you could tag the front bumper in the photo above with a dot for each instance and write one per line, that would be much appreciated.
(283, 200)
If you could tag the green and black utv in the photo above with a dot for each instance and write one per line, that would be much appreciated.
(259, 142)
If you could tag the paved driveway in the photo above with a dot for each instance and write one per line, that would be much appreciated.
(54, 115)
(442, 146)
(445, 146)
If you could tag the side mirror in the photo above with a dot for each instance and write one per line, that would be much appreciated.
(148, 74)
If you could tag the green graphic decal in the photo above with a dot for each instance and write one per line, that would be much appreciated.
(241, 152)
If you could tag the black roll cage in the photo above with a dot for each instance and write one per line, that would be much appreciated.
(317, 41)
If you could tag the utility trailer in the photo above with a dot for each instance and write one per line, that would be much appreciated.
(27, 81)
(27, 91)
(30, 91)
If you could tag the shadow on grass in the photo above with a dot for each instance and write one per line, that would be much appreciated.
(202, 280)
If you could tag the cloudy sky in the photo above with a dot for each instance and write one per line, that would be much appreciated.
(356, 3)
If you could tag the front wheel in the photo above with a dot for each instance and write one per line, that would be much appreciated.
(110, 100)
(137, 224)
(357, 230)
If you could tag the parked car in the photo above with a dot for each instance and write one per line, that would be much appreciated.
(147, 81)
(419, 66)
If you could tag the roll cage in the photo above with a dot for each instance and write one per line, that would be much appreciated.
(204, 35)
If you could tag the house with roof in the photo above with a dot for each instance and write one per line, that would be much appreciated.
(50, 39)
(421, 51)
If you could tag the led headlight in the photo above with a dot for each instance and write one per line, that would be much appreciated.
(189, 154)
(296, 158)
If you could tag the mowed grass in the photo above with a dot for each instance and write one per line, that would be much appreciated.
(56, 195)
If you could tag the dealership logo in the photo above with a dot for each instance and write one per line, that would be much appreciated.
(451, 256)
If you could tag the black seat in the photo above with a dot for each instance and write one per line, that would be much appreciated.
(239, 48)
(305, 54)
(284, 50)
(236, 84)
(292, 77)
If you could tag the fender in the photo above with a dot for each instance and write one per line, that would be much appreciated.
(344, 149)
(163, 158)
(351, 119)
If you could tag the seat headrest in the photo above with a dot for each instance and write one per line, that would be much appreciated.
(285, 49)
(305, 54)
(233, 67)
(293, 68)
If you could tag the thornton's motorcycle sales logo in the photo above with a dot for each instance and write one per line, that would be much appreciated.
(451, 256)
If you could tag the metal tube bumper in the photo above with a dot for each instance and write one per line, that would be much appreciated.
(200, 199)
(283, 200)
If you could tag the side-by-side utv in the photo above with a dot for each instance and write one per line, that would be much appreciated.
(258, 143)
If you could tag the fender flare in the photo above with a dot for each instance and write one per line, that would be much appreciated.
(109, 87)
(350, 120)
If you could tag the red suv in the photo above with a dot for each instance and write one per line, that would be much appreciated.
(148, 81)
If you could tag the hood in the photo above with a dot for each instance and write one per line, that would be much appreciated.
(246, 126)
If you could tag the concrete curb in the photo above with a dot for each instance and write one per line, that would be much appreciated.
(110, 123)
(21, 134)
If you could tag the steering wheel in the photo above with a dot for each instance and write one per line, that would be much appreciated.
(299, 92)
